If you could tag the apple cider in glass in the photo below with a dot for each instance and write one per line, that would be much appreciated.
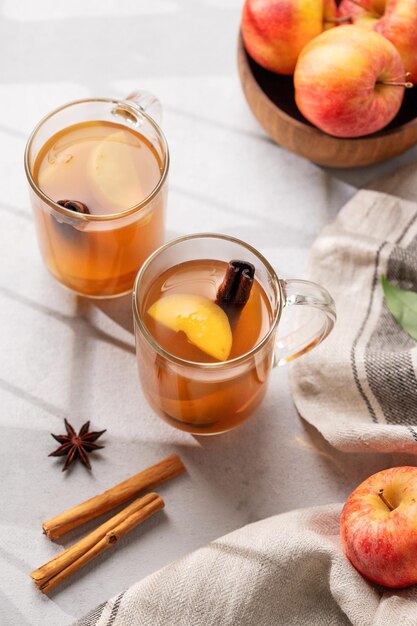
(206, 309)
(187, 312)
(97, 171)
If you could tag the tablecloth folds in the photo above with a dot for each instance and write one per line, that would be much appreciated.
(359, 388)
(286, 570)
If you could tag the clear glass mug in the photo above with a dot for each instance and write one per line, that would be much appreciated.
(99, 255)
(210, 398)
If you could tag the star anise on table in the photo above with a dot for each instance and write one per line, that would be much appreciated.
(75, 446)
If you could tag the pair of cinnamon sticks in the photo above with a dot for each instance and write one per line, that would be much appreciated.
(106, 535)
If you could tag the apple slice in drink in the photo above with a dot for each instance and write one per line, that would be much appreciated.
(54, 171)
(203, 321)
(113, 174)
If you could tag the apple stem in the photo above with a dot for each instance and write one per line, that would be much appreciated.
(407, 84)
(384, 500)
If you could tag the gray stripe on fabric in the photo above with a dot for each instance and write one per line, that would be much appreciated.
(392, 380)
(413, 433)
(359, 335)
(115, 609)
(92, 617)
(353, 356)
(388, 361)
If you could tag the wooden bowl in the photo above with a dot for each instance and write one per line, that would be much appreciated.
(271, 99)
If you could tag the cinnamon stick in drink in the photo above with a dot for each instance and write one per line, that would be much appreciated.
(100, 540)
(234, 291)
(149, 478)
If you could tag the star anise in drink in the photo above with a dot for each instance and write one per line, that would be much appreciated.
(75, 446)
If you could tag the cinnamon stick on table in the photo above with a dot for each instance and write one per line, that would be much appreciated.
(169, 468)
(101, 539)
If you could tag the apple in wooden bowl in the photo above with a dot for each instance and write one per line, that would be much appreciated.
(383, 124)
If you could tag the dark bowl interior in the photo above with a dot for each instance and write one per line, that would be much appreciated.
(280, 90)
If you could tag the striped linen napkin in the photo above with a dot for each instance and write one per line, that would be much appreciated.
(286, 570)
(359, 388)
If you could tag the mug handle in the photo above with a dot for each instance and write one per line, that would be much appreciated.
(314, 329)
(146, 101)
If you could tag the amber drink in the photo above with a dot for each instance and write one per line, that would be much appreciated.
(194, 404)
(207, 309)
(98, 201)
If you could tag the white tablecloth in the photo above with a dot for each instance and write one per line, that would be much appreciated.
(62, 356)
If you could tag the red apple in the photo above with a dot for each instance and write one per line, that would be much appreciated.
(378, 527)
(394, 19)
(342, 81)
(275, 31)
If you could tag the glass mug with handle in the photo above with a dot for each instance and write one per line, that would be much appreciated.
(97, 173)
(204, 366)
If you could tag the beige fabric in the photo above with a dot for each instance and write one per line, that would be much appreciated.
(287, 570)
(359, 388)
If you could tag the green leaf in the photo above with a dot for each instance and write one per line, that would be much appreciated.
(403, 306)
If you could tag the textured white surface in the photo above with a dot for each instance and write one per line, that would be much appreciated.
(64, 356)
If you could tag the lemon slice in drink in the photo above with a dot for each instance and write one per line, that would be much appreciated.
(203, 321)
(113, 174)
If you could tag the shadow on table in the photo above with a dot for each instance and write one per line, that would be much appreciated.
(260, 477)
(374, 176)
(117, 309)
